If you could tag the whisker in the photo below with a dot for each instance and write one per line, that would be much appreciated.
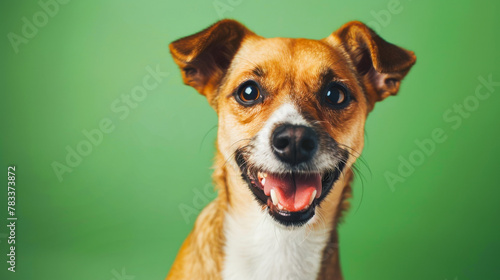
(205, 136)
(358, 174)
(233, 153)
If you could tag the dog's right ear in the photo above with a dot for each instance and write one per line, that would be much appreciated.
(381, 64)
(204, 57)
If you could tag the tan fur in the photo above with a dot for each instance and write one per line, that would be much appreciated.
(218, 59)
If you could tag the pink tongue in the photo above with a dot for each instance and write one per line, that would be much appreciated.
(294, 190)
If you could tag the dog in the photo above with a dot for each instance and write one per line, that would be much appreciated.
(291, 118)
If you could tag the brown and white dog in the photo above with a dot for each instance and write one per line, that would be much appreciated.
(291, 122)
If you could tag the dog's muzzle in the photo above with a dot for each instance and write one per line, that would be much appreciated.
(294, 144)
(291, 196)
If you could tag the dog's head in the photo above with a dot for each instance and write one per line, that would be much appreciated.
(291, 111)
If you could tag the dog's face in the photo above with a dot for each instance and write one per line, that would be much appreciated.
(291, 111)
(290, 114)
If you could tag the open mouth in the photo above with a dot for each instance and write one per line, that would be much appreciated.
(291, 198)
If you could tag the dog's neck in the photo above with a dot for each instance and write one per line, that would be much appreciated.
(233, 235)
(257, 247)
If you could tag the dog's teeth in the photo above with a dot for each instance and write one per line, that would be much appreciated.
(274, 198)
(313, 196)
(263, 182)
(280, 207)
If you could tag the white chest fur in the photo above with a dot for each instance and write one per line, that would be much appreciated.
(258, 248)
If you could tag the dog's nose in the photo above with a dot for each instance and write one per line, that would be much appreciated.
(294, 143)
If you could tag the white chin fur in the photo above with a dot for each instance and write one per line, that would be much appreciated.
(257, 247)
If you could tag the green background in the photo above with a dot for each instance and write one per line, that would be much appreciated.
(119, 210)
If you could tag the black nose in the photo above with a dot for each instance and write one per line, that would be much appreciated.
(294, 143)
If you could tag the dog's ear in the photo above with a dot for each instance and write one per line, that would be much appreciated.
(381, 65)
(204, 57)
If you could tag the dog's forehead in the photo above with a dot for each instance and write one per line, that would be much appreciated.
(287, 64)
(286, 55)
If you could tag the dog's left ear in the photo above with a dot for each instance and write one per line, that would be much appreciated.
(204, 57)
(381, 65)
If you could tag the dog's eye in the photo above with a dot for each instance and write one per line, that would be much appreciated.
(336, 95)
(248, 93)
